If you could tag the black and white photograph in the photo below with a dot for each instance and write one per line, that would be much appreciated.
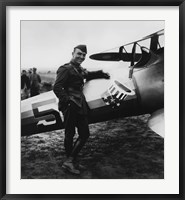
(92, 99)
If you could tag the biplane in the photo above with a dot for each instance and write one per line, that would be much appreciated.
(141, 91)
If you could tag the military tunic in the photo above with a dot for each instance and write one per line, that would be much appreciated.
(68, 88)
(35, 81)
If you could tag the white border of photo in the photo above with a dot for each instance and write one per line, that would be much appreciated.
(170, 183)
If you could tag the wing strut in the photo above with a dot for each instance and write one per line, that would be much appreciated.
(133, 54)
(132, 60)
(154, 42)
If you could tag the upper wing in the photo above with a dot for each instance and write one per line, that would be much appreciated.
(132, 56)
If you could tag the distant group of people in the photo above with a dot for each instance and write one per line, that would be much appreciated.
(30, 83)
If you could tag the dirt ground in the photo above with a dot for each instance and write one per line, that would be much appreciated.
(118, 149)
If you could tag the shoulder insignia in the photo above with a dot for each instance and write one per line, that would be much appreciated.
(62, 67)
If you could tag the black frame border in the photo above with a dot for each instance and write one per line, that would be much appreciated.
(3, 5)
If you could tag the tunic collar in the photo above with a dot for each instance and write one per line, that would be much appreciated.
(74, 63)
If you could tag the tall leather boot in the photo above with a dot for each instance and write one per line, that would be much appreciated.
(69, 166)
(79, 143)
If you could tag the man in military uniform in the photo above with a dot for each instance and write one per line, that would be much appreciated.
(25, 85)
(68, 88)
(35, 83)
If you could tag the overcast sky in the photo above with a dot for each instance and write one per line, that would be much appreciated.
(49, 44)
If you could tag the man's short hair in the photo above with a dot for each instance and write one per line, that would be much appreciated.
(82, 47)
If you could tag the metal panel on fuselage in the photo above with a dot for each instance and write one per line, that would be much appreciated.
(149, 83)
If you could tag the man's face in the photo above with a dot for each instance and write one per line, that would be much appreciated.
(23, 72)
(78, 56)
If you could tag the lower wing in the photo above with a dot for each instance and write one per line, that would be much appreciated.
(156, 122)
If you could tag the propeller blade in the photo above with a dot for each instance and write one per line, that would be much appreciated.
(114, 56)
(156, 122)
